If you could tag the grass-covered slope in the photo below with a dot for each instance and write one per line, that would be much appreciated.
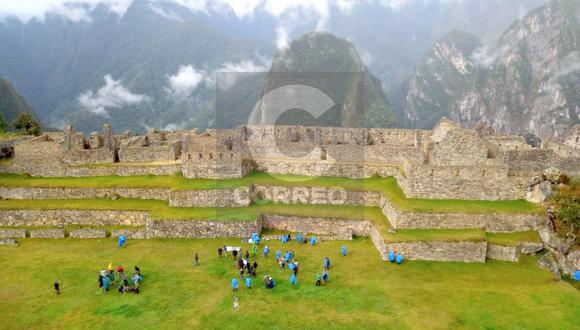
(363, 293)
(388, 186)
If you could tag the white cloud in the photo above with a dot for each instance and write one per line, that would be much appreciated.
(112, 95)
(230, 72)
(185, 81)
(74, 10)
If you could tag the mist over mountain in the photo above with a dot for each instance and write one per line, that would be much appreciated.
(527, 83)
(158, 63)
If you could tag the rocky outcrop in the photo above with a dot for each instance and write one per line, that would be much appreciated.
(558, 259)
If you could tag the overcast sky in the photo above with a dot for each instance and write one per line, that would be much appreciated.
(26, 9)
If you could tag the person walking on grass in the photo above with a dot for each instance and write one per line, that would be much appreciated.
(344, 251)
(196, 260)
(249, 282)
(266, 251)
(57, 287)
(294, 280)
(318, 279)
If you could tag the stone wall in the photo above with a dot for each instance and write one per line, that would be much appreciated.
(150, 153)
(442, 251)
(461, 182)
(45, 218)
(491, 222)
(88, 233)
(140, 233)
(315, 195)
(318, 226)
(47, 233)
(202, 228)
(236, 197)
(504, 253)
(12, 233)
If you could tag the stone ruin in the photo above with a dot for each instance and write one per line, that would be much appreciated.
(447, 162)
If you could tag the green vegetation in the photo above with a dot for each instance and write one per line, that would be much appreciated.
(512, 239)
(27, 124)
(446, 235)
(566, 202)
(388, 186)
(364, 292)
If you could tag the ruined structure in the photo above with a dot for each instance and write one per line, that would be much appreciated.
(449, 162)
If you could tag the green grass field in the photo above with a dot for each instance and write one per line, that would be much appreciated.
(388, 186)
(363, 292)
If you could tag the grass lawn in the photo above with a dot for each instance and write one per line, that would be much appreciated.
(388, 186)
(512, 239)
(363, 292)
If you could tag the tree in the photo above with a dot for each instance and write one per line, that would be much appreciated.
(3, 123)
(26, 123)
(566, 203)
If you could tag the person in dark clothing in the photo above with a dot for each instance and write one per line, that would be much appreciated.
(220, 251)
(56, 287)
(196, 260)
(137, 270)
(235, 253)
(247, 255)
(255, 265)
(100, 281)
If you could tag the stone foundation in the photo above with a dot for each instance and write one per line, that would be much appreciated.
(504, 253)
(12, 233)
(47, 218)
(491, 222)
(88, 233)
(202, 228)
(317, 226)
(47, 233)
(442, 251)
(129, 233)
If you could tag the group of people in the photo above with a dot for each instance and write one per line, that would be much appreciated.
(396, 257)
(288, 260)
(107, 279)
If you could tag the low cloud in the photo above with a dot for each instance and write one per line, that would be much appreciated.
(112, 95)
(185, 81)
(230, 72)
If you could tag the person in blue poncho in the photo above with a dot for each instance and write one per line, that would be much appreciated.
(278, 254)
(326, 263)
(400, 259)
(122, 241)
(344, 250)
(313, 241)
(577, 275)
(266, 251)
(235, 284)
(300, 238)
(106, 283)
(392, 256)
(325, 277)
(249, 282)
(284, 239)
(294, 280)
(288, 256)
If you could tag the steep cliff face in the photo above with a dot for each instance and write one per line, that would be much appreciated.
(445, 74)
(333, 66)
(528, 84)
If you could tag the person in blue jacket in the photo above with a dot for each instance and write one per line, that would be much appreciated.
(313, 241)
(266, 251)
(400, 258)
(122, 240)
(577, 275)
(278, 254)
(326, 263)
(249, 282)
(344, 250)
(300, 238)
(392, 256)
(294, 280)
(235, 284)
(106, 283)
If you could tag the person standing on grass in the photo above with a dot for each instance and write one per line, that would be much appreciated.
(278, 254)
(294, 279)
(266, 251)
(196, 260)
(106, 283)
(313, 241)
(344, 250)
(318, 279)
(235, 285)
(325, 277)
(254, 250)
(56, 287)
(220, 251)
(120, 271)
(249, 282)
(326, 263)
